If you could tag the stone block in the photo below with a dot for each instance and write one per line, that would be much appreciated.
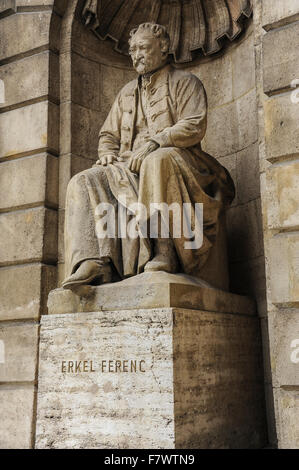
(217, 78)
(287, 403)
(28, 181)
(85, 131)
(278, 13)
(17, 406)
(85, 82)
(24, 291)
(29, 129)
(281, 127)
(247, 174)
(28, 79)
(284, 342)
(243, 62)
(29, 235)
(222, 136)
(20, 345)
(247, 119)
(155, 290)
(282, 194)
(281, 62)
(232, 127)
(198, 380)
(283, 265)
(23, 32)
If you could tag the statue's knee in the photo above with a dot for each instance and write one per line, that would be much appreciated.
(158, 157)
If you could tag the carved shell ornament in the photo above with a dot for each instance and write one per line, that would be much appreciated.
(196, 27)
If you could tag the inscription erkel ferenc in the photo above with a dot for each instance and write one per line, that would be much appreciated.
(112, 366)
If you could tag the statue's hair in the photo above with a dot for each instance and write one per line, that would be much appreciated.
(156, 30)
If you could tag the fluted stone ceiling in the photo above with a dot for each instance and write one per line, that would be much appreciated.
(195, 26)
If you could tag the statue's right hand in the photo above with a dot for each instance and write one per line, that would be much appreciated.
(105, 160)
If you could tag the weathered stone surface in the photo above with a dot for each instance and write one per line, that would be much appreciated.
(86, 126)
(33, 285)
(223, 123)
(284, 340)
(247, 174)
(281, 127)
(287, 403)
(33, 3)
(112, 81)
(86, 88)
(279, 13)
(217, 78)
(33, 32)
(29, 180)
(234, 124)
(247, 119)
(28, 79)
(20, 343)
(282, 193)
(7, 7)
(29, 235)
(88, 46)
(69, 166)
(193, 360)
(284, 269)
(243, 63)
(155, 290)
(280, 52)
(16, 404)
(29, 129)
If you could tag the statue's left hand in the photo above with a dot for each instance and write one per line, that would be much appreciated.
(106, 160)
(138, 157)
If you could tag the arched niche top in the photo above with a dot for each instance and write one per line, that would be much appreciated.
(196, 27)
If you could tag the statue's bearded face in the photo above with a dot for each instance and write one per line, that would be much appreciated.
(146, 53)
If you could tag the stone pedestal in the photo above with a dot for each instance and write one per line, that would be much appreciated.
(141, 377)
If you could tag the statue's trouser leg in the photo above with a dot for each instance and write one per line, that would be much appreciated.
(166, 177)
(85, 191)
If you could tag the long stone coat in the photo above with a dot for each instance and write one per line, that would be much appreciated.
(175, 113)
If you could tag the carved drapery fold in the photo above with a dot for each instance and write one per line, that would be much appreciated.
(195, 26)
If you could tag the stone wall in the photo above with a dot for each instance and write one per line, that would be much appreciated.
(276, 44)
(29, 147)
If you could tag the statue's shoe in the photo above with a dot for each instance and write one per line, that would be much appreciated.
(162, 263)
(88, 272)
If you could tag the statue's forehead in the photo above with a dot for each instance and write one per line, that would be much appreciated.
(142, 38)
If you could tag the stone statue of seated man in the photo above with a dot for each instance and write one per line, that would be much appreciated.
(149, 152)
